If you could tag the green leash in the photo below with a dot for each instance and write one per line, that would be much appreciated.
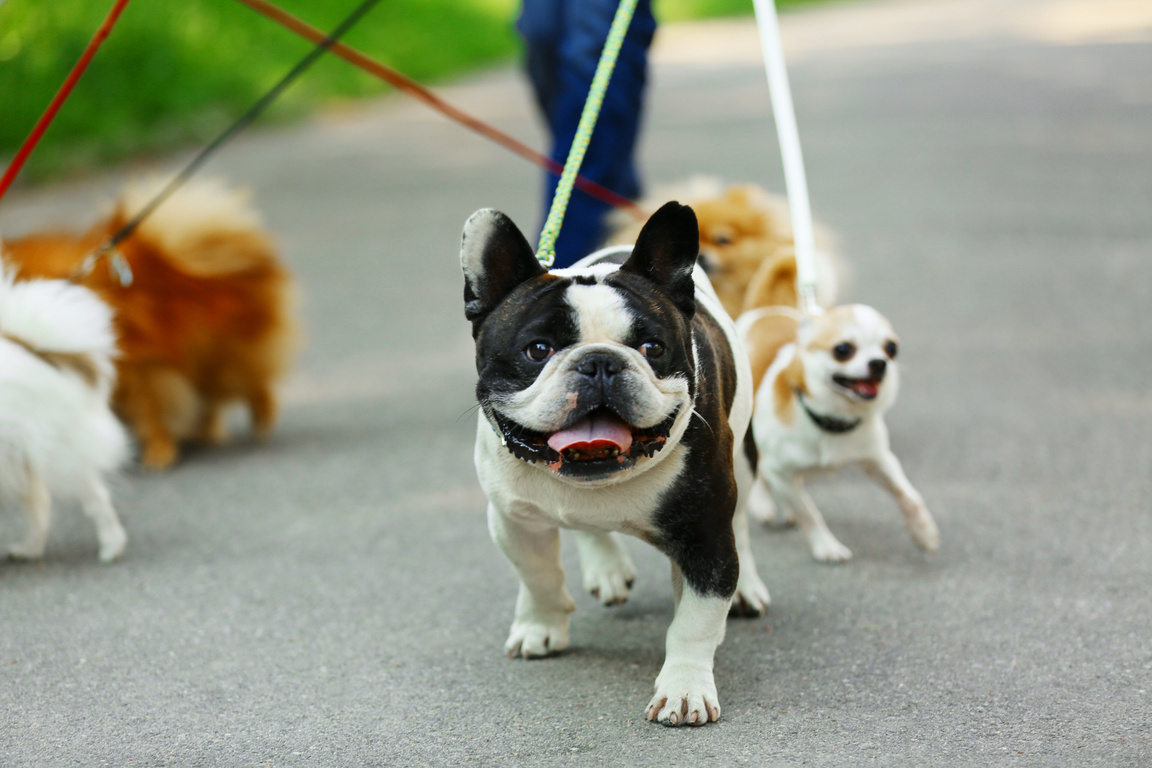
(546, 252)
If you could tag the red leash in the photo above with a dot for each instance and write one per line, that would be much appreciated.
(61, 95)
(386, 73)
(411, 87)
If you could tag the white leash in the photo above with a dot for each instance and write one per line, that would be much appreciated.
(795, 181)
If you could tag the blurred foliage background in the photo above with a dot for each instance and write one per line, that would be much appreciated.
(177, 73)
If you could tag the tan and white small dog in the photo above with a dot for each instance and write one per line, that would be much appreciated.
(822, 386)
(58, 436)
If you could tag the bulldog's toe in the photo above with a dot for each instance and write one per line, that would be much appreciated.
(689, 709)
(610, 587)
(751, 598)
(537, 639)
(684, 697)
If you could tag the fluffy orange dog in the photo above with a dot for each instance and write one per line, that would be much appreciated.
(206, 322)
(745, 238)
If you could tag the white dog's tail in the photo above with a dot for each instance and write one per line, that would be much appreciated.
(66, 325)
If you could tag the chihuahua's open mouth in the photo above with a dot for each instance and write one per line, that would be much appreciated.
(597, 443)
(864, 389)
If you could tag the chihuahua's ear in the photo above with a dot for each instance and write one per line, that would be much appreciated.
(495, 258)
(666, 252)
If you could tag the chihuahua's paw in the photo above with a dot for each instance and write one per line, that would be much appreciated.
(684, 696)
(924, 532)
(26, 551)
(751, 598)
(827, 549)
(763, 508)
(537, 638)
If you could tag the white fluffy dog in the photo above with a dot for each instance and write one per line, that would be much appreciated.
(58, 437)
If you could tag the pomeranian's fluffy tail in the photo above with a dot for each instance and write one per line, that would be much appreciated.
(205, 229)
(64, 324)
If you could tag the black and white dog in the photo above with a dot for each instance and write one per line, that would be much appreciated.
(614, 397)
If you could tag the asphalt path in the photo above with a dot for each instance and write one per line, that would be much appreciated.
(331, 598)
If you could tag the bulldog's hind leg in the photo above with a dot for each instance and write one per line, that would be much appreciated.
(751, 598)
(540, 626)
(605, 565)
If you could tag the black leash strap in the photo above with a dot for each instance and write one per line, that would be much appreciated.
(253, 112)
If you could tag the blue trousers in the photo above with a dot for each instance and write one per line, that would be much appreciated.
(564, 39)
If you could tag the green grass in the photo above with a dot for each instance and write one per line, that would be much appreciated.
(177, 72)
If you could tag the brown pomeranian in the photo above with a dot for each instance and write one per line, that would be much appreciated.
(743, 230)
(207, 320)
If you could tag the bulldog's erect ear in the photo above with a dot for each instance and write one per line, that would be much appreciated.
(666, 252)
(495, 258)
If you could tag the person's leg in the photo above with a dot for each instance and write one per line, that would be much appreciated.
(540, 25)
(610, 157)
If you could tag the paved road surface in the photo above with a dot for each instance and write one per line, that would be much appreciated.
(331, 598)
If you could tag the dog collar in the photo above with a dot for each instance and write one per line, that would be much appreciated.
(831, 424)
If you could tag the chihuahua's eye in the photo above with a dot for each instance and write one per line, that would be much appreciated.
(843, 351)
(721, 240)
(652, 349)
(539, 351)
(891, 349)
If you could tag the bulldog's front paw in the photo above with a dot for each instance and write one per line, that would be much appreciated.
(534, 638)
(751, 598)
(684, 696)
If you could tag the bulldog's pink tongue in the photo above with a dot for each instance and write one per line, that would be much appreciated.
(592, 433)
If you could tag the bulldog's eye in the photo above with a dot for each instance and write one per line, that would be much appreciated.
(843, 351)
(891, 349)
(539, 351)
(652, 349)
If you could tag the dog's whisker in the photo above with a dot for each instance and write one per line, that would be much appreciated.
(467, 412)
(696, 414)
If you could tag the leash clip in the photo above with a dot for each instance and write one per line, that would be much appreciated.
(118, 266)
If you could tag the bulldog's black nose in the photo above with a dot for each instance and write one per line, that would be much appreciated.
(599, 366)
(877, 368)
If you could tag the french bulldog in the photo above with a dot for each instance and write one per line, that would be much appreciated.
(614, 397)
